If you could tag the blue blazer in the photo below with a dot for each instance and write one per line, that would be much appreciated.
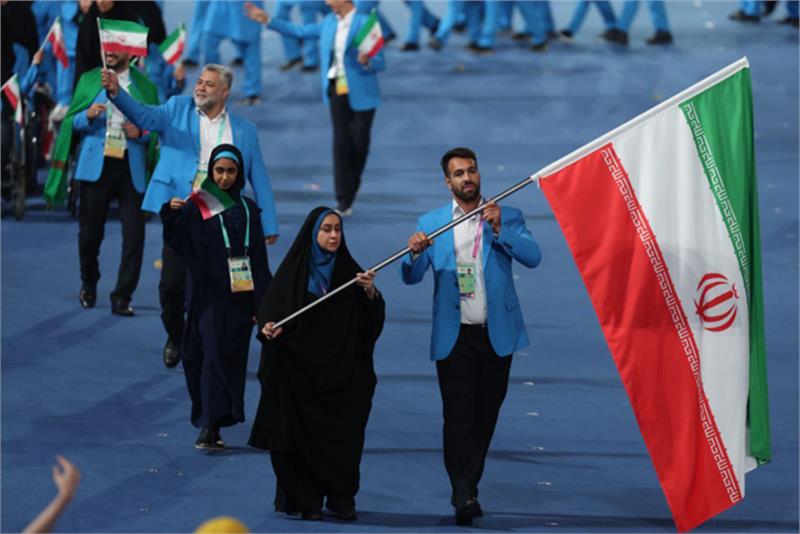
(92, 143)
(504, 319)
(178, 126)
(362, 81)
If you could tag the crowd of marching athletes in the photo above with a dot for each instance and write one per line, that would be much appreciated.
(125, 132)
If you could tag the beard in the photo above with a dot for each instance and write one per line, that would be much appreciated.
(467, 197)
(204, 102)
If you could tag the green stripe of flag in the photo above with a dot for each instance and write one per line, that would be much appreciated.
(122, 26)
(728, 159)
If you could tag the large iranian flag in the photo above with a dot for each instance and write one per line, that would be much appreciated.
(661, 216)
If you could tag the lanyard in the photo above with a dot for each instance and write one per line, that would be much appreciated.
(246, 232)
(477, 244)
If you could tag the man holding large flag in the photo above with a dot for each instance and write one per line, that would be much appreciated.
(350, 50)
(189, 129)
(477, 323)
(113, 158)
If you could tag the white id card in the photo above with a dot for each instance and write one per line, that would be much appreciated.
(241, 275)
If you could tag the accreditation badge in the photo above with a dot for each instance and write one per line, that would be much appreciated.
(466, 280)
(116, 143)
(199, 178)
(241, 275)
(341, 85)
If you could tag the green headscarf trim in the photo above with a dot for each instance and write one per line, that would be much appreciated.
(141, 89)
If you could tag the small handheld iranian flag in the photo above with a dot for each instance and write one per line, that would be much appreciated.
(122, 36)
(369, 39)
(12, 93)
(211, 199)
(661, 216)
(172, 47)
(56, 39)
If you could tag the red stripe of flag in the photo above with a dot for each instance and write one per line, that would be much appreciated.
(646, 331)
(117, 47)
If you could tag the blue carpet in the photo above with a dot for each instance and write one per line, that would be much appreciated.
(567, 455)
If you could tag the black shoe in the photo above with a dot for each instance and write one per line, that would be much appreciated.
(616, 36)
(389, 38)
(792, 21)
(769, 7)
(541, 47)
(345, 510)
(122, 307)
(207, 439)
(238, 62)
(311, 515)
(409, 47)
(309, 68)
(171, 354)
(460, 28)
(475, 48)
(565, 36)
(289, 65)
(435, 43)
(660, 38)
(467, 512)
(88, 296)
(522, 36)
(189, 63)
(741, 16)
(435, 28)
(216, 438)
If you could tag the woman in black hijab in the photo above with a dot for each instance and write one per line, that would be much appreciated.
(317, 377)
(220, 315)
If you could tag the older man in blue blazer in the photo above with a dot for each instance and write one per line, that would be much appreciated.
(349, 86)
(189, 128)
(477, 323)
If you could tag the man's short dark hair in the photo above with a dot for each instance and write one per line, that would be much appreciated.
(459, 152)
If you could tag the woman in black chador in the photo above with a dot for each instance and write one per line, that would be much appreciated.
(316, 373)
(221, 314)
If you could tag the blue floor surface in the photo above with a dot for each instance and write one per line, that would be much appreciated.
(567, 455)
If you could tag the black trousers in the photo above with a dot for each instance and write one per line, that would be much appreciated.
(95, 198)
(351, 136)
(473, 381)
(172, 293)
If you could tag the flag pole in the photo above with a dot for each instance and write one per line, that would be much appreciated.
(100, 35)
(397, 255)
(46, 37)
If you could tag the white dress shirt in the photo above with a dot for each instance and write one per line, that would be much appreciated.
(468, 237)
(213, 132)
(340, 45)
(115, 116)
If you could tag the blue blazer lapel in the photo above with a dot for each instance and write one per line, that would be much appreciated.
(447, 239)
(354, 25)
(487, 243)
(194, 130)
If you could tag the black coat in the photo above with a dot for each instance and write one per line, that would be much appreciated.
(219, 323)
(317, 378)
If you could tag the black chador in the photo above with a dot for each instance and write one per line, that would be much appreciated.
(317, 377)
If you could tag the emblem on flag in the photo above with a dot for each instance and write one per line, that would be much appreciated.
(717, 304)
